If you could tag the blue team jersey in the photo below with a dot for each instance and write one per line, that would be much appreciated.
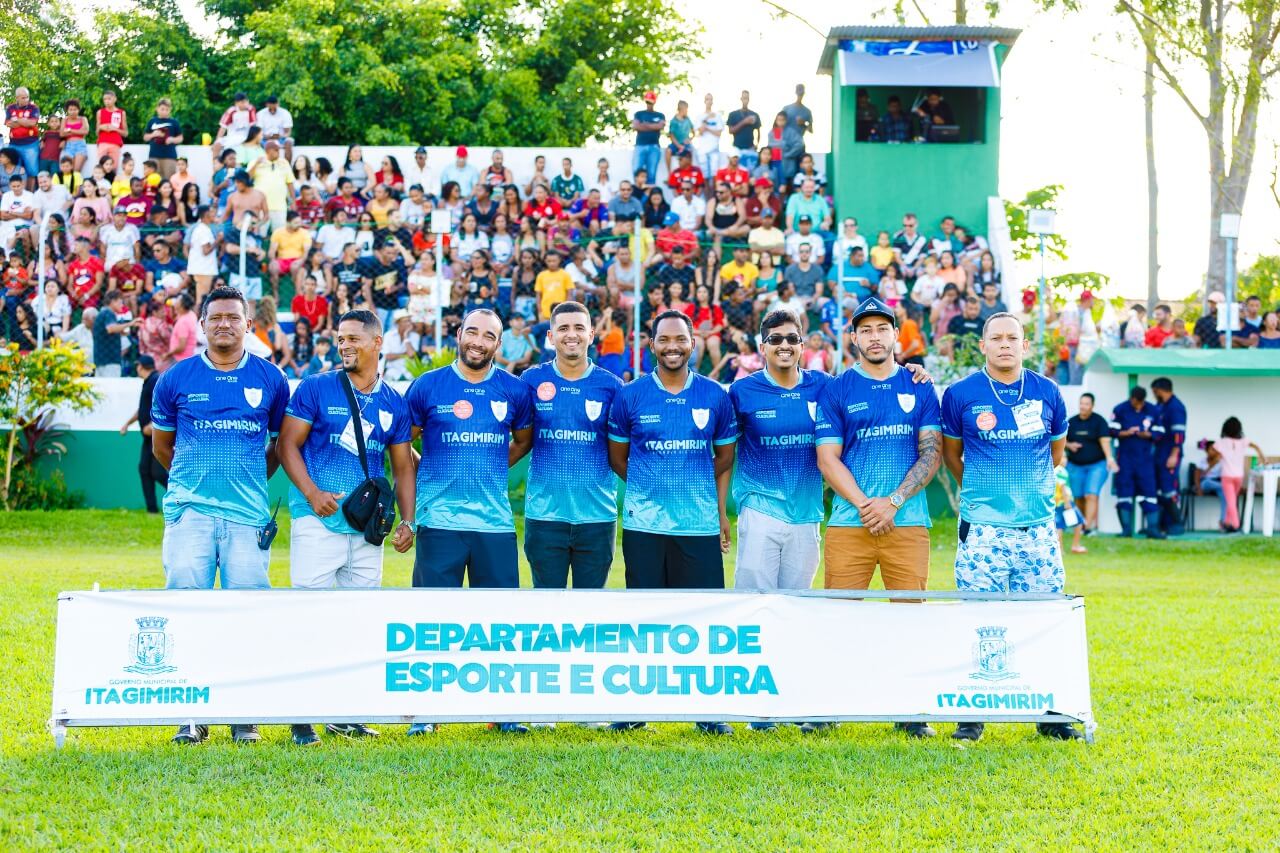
(569, 475)
(332, 464)
(1008, 461)
(222, 420)
(877, 423)
(1173, 419)
(671, 481)
(466, 430)
(777, 472)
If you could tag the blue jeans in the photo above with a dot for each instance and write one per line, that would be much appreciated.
(748, 158)
(552, 547)
(198, 547)
(29, 155)
(647, 157)
(1087, 479)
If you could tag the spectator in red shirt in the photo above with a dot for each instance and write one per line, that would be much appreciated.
(85, 275)
(233, 127)
(22, 117)
(346, 200)
(708, 323)
(113, 127)
(687, 172)
(764, 197)
(313, 307)
(310, 210)
(738, 178)
(543, 209)
(1163, 328)
(390, 176)
(17, 289)
(137, 206)
(673, 235)
(128, 277)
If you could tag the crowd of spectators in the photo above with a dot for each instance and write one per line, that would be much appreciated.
(722, 217)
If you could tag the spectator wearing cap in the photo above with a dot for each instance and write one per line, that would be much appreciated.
(763, 198)
(804, 235)
(1205, 331)
(690, 207)
(744, 126)
(648, 124)
(233, 127)
(461, 173)
(671, 237)
(418, 173)
(277, 125)
(273, 177)
(767, 238)
(246, 199)
(163, 134)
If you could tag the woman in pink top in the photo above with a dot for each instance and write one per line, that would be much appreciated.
(1233, 447)
(182, 343)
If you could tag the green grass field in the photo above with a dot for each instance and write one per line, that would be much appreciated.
(1183, 640)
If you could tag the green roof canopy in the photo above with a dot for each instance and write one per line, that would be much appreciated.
(1188, 362)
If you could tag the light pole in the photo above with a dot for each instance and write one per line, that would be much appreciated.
(637, 258)
(1229, 229)
(1041, 221)
(40, 306)
(441, 224)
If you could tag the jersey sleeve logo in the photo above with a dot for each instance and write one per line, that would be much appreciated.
(546, 391)
(499, 409)
(253, 396)
(813, 410)
(907, 402)
(384, 419)
(701, 417)
(594, 408)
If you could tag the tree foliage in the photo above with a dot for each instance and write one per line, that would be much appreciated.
(524, 72)
(1025, 244)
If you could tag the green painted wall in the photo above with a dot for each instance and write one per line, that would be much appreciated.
(877, 182)
(104, 466)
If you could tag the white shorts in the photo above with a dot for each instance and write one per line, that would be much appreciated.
(322, 559)
(775, 554)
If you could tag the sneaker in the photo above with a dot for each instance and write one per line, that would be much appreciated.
(245, 734)
(542, 726)
(304, 734)
(350, 730)
(916, 730)
(513, 728)
(419, 729)
(190, 735)
(812, 728)
(715, 728)
(1061, 731)
(630, 727)
(595, 727)
(968, 731)
(764, 727)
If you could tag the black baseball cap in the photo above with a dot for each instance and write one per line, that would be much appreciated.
(872, 307)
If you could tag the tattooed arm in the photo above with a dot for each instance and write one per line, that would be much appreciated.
(878, 514)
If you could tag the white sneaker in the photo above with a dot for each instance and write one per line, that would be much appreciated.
(595, 727)
(542, 725)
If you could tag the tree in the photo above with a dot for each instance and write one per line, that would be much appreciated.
(1234, 44)
(525, 72)
(31, 386)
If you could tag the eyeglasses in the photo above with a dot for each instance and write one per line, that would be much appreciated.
(779, 340)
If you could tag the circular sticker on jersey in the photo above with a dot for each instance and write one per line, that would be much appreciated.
(987, 421)
(546, 391)
(462, 410)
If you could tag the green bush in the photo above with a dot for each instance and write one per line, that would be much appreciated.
(28, 490)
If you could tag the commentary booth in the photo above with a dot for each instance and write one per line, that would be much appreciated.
(952, 170)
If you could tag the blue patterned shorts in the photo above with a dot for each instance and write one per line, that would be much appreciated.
(1009, 559)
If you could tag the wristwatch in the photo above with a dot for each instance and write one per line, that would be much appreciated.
(408, 525)
(897, 500)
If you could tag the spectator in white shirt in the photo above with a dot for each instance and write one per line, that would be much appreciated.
(848, 239)
(119, 239)
(332, 236)
(17, 211)
(691, 209)
(277, 124)
(399, 344)
(706, 139)
(81, 335)
(602, 182)
(49, 198)
(418, 172)
(805, 236)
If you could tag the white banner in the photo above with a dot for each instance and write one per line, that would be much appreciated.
(151, 657)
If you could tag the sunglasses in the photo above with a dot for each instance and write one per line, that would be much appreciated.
(779, 340)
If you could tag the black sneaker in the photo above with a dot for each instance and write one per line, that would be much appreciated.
(714, 728)
(770, 728)
(190, 735)
(1061, 731)
(305, 735)
(246, 733)
(916, 730)
(350, 730)
(813, 728)
(968, 731)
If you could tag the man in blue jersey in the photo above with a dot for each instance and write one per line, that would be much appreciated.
(319, 450)
(1004, 430)
(1168, 461)
(214, 419)
(672, 437)
(879, 444)
(475, 421)
(1135, 425)
(571, 496)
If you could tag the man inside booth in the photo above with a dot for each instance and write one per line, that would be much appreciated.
(934, 112)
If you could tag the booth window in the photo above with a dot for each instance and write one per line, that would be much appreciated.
(941, 115)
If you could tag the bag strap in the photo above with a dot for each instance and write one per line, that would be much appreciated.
(356, 419)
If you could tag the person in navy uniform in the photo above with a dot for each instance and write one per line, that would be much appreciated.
(1135, 425)
(1168, 459)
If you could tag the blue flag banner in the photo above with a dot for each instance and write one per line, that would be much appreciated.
(919, 63)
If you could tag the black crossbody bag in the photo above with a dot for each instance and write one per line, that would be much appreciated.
(371, 506)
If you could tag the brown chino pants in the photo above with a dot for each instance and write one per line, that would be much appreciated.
(852, 554)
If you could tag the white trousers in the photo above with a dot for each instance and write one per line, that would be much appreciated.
(775, 554)
(322, 559)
